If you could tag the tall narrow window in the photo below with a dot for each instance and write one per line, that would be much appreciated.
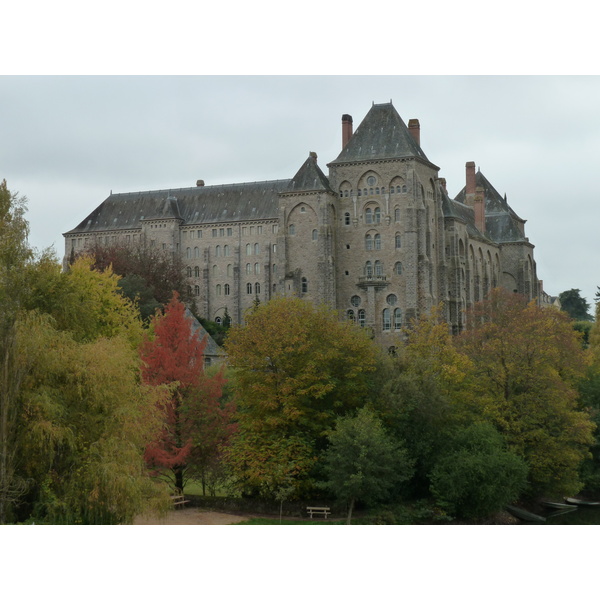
(189, 271)
(368, 242)
(229, 270)
(218, 251)
(362, 317)
(256, 248)
(248, 249)
(292, 229)
(350, 316)
(248, 269)
(196, 271)
(377, 215)
(248, 288)
(196, 252)
(368, 269)
(368, 216)
(398, 268)
(347, 219)
(315, 234)
(397, 319)
(304, 285)
(257, 288)
(218, 289)
(227, 289)
(398, 241)
(387, 323)
(378, 268)
(226, 250)
(257, 268)
(188, 253)
(397, 215)
(377, 241)
(196, 290)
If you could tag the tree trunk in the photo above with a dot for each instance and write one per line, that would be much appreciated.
(179, 479)
(348, 522)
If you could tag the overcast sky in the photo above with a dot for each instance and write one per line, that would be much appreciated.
(69, 141)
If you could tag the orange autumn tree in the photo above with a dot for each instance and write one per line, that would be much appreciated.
(195, 424)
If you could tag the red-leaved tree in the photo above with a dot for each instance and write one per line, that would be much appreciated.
(196, 422)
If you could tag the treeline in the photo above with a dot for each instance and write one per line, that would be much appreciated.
(106, 408)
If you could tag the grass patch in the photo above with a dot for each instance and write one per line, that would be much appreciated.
(265, 521)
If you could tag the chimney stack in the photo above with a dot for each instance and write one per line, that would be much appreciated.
(443, 184)
(479, 209)
(346, 129)
(415, 130)
(470, 168)
(200, 183)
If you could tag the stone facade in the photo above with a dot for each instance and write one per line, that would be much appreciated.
(378, 238)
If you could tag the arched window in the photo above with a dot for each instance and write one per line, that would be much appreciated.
(257, 288)
(227, 289)
(362, 317)
(188, 253)
(225, 250)
(248, 269)
(189, 290)
(397, 215)
(196, 252)
(274, 248)
(368, 269)
(398, 268)
(189, 271)
(398, 241)
(248, 288)
(387, 322)
(274, 269)
(368, 242)
(377, 241)
(214, 270)
(315, 234)
(218, 251)
(404, 189)
(229, 270)
(346, 218)
(392, 189)
(350, 316)
(377, 190)
(377, 215)
(248, 249)
(256, 248)
(368, 216)
(257, 268)
(397, 319)
(218, 289)
(218, 320)
(196, 290)
(378, 268)
(196, 271)
(292, 229)
(304, 285)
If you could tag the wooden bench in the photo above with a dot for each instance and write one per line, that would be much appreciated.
(318, 510)
(179, 500)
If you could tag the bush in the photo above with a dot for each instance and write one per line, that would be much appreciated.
(479, 476)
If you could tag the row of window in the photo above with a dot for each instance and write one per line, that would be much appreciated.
(373, 216)
(391, 299)
(373, 242)
(390, 320)
(377, 268)
(228, 231)
(251, 249)
(394, 189)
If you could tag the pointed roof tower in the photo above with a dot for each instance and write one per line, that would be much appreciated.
(309, 177)
(382, 134)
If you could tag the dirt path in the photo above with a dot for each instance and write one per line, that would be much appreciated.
(191, 516)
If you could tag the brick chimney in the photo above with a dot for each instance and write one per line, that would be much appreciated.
(442, 181)
(470, 168)
(200, 183)
(346, 129)
(415, 130)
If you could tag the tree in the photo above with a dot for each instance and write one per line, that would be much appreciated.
(478, 476)
(363, 462)
(150, 274)
(575, 306)
(173, 358)
(528, 361)
(423, 394)
(297, 368)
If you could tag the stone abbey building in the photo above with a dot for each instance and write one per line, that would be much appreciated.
(377, 238)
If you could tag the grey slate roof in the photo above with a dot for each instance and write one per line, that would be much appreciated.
(196, 205)
(309, 177)
(502, 224)
(462, 212)
(211, 349)
(381, 134)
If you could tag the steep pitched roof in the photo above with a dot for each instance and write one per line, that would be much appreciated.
(196, 205)
(382, 134)
(309, 177)
(502, 224)
(211, 349)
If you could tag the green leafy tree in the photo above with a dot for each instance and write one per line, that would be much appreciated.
(423, 395)
(363, 462)
(297, 368)
(528, 362)
(478, 476)
(574, 305)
